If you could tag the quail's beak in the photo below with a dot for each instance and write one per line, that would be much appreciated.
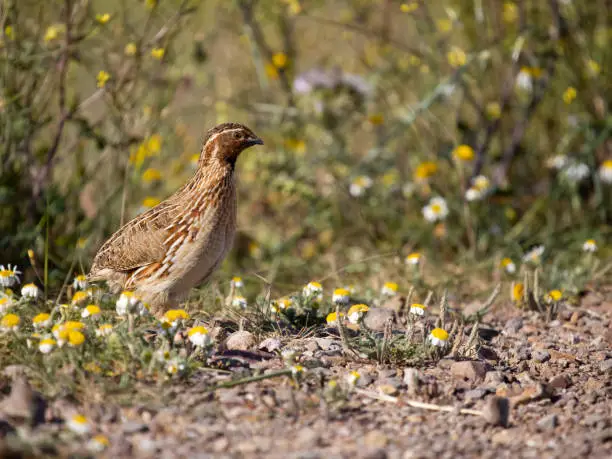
(254, 141)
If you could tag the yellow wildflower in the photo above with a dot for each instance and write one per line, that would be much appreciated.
(409, 7)
(75, 338)
(510, 12)
(150, 202)
(10, 322)
(376, 119)
(518, 290)
(569, 95)
(493, 110)
(425, 170)
(130, 49)
(102, 78)
(463, 153)
(554, 296)
(444, 25)
(103, 18)
(456, 57)
(158, 53)
(151, 175)
(279, 60)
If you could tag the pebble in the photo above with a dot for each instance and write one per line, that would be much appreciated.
(497, 411)
(514, 325)
(548, 422)
(541, 356)
(469, 370)
(24, 403)
(240, 341)
(560, 382)
(606, 365)
(376, 318)
(271, 345)
(132, 427)
(494, 378)
(412, 380)
(475, 394)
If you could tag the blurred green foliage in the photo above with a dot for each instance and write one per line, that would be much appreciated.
(369, 109)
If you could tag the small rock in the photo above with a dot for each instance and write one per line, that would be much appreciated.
(475, 394)
(325, 343)
(377, 318)
(132, 427)
(270, 345)
(606, 365)
(412, 380)
(540, 356)
(497, 411)
(387, 389)
(307, 438)
(376, 439)
(377, 453)
(240, 341)
(23, 403)
(469, 370)
(514, 325)
(560, 382)
(494, 378)
(548, 422)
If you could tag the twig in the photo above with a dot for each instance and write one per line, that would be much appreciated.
(249, 379)
(415, 403)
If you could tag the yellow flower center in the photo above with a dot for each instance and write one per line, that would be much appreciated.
(440, 334)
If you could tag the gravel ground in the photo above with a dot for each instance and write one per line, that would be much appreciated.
(554, 378)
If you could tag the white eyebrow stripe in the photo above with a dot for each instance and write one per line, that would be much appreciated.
(223, 132)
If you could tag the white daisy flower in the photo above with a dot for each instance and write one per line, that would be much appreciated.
(341, 296)
(389, 289)
(9, 276)
(534, 254)
(46, 345)
(79, 424)
(80, 282)
(356, 312)
(413, 259)
(199, 336)
(42, 320)
(576, 172)
(605, 171)
(436, 210)
(589, 245)
(352, 378)
(438, 337)
(92, 311)
(127, 302)
(557, 162)
(30, 291)
(417, 309)
(508, 265)
(237, 282)
(104, 330)
(360, 185)
(239, 302)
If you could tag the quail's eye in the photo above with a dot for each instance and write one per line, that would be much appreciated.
(238, 135)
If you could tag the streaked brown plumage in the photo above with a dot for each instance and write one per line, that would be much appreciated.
(163, 253)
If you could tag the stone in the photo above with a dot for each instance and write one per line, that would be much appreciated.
(326, 343)
(494, 378)
(376, 318)
(412, 380)
(548, 422)
(514, 325)
(240, 341)
(540, 356)
(132, 427)
(560, 382)
(270, 345)
(470, 370)
(497, 411)
(606, 365)
(23, 403)
(475, 394)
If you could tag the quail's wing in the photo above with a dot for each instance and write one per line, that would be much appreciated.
(138, 243)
